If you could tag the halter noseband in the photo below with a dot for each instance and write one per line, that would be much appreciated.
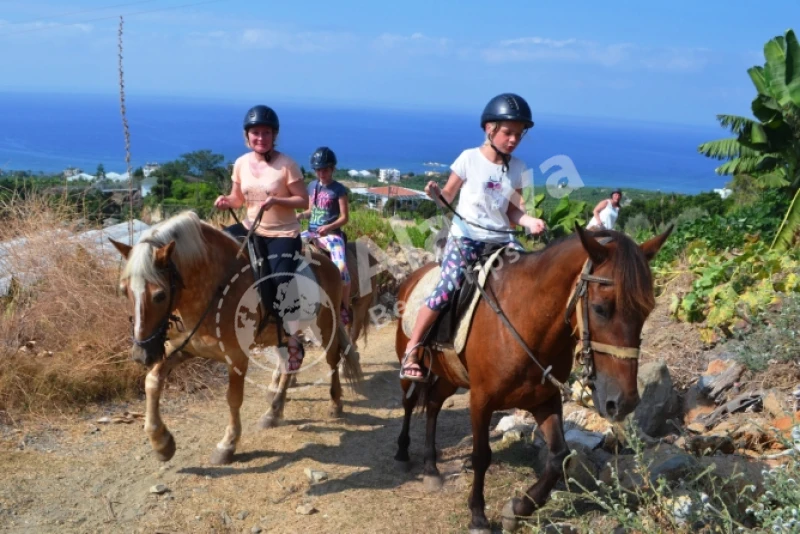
(584, 350)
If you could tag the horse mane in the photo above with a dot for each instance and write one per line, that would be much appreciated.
(191, 250)
(633, 281)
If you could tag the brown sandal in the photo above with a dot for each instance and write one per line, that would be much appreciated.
(424, 373)
(296, 355)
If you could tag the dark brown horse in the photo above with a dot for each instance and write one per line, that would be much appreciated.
(556, 300)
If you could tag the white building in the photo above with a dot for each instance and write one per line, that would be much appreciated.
(388, 175)
(724, 192)
(359, 174)
(150, 168)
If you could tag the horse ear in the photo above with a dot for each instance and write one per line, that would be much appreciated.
(597, 253)
(123, 249)
(654, 244)
(163, 254)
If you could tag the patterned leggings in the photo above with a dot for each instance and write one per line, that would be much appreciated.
(457, 253)
(333, 243)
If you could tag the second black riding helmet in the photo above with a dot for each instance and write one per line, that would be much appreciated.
(323, 158)
(507, 107)
(261, 116)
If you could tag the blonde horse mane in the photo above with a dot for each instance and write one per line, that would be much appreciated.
(186, 229)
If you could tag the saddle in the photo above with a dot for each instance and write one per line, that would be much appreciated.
(449, 331)
(306, 286)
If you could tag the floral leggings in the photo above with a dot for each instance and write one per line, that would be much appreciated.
(333, 243)
(458, 252)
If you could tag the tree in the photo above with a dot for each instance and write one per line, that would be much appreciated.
(100, 173)
(208, 166)
(767, 148)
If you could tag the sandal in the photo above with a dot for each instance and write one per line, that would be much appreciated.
(296, 355)
(424, 373)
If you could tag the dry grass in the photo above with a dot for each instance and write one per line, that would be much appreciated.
(64, 327)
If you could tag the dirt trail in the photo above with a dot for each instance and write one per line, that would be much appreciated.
(79, 476)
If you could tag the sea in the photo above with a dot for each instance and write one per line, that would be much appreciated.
(51, 132)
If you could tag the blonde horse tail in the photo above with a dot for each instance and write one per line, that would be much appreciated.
(351, 364)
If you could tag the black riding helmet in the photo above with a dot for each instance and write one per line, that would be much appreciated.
(323, 158)
(261, 116)
(507, 107)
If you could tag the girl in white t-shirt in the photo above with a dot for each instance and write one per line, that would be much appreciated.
(490, 180)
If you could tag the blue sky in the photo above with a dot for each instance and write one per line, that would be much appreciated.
(675, 61)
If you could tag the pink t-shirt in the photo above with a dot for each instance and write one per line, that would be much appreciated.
(258, 180)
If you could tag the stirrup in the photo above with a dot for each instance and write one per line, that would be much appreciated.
(421, 364)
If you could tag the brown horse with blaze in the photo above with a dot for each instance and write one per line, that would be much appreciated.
(593, 291)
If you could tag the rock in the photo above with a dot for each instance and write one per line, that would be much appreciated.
(581, 394)
(695, 405)
(786, 424)
(226, 519)
(104, 420)
(159, 489)
(513, 436)
(659, 402)
(772, 404)
(560, 528)
(242, 515)
(581, 469)
(519, 420)
(682, 507)
(673, 469)
(707, 445)
(256, 529)
(306, 509)
(590, 440)
(315, 476)
(717, 366)
(713, 385)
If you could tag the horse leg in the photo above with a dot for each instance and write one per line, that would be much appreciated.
(549, 417)
(404, 440)
(438, 393)
(276, 396)
(480, 416)
(335, 409)
(223, 453)
(160, 438)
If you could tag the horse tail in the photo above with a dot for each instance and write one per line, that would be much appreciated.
(351, 364)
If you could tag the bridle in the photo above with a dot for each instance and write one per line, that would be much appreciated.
(579, 302)
(159, 335)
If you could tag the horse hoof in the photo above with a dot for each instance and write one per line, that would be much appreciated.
(510, 522)
(433, 483)
(335, 412)
(266, 422)
(292, 381)
(403, 466)
(168, 451)
(222, 456)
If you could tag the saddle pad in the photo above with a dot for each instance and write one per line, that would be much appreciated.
(425, 287)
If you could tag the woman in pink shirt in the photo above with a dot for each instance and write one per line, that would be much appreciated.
(270, 179)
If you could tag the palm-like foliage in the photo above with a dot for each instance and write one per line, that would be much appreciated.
(767, 148)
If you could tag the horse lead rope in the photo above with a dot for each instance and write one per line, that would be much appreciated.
(546, 372)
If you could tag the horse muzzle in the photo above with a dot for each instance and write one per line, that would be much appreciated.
(611, 401)
(147, 356)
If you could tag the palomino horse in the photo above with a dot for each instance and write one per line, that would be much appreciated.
(186, 266)
(601, 293)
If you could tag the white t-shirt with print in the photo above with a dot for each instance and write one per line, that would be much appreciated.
(485, 194)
